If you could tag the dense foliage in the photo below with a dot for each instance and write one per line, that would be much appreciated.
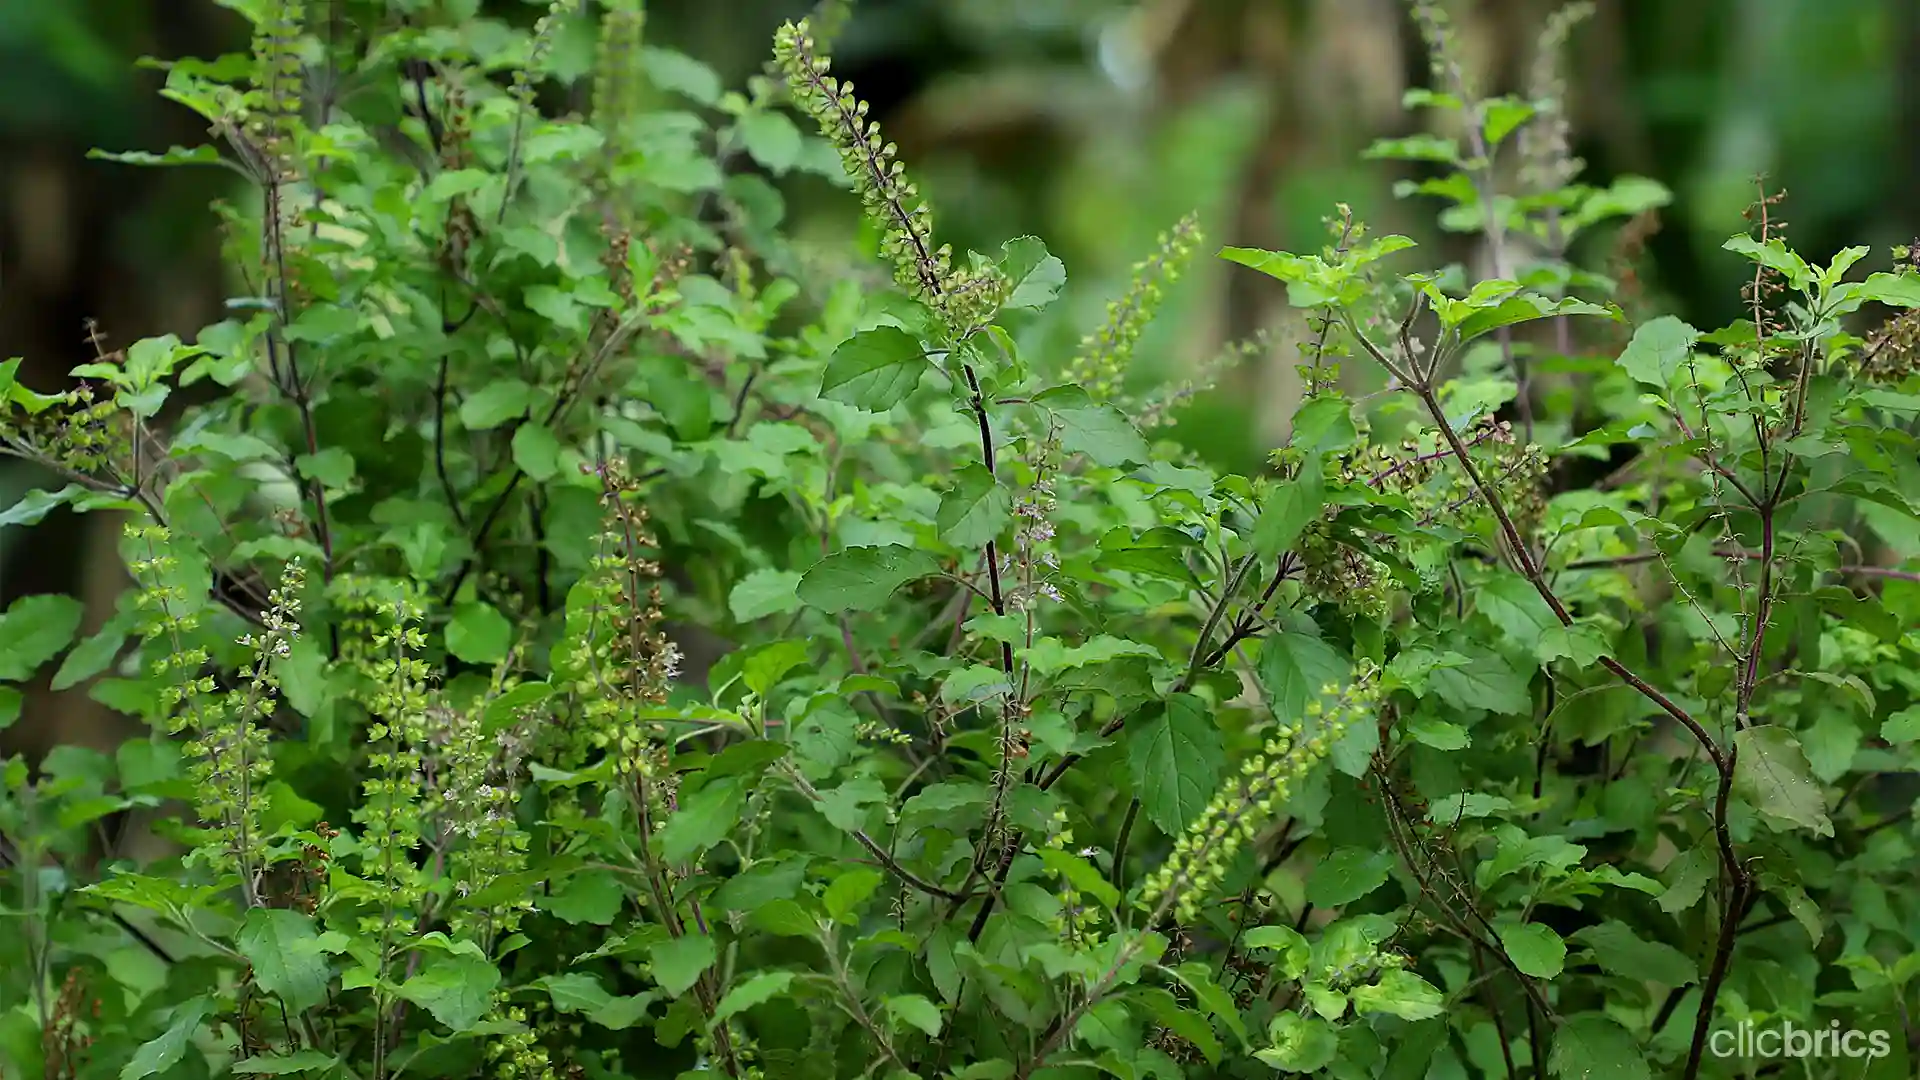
(1046, 749)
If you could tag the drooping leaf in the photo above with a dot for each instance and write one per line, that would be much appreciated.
(861, 579)
(678, 962)
(1296, 668)
(1620, 951)
(765, 592)
(479, 634)
(1175, 755)
(975, 510)
(1592, 1046)
(1036, 277)
(1400, 993)
(915, 1011)
(1657, 351)
(284, 948)
(762, 987)
(1772, 773)
(1300, 1044)
(456, 988)
(1346, 875)
(1103, 433)
(1289, 508)
(874, 369)
(1534, 948)
(164, 1051)
(33, 630)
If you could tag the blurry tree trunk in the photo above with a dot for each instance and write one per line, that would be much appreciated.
(134, 250)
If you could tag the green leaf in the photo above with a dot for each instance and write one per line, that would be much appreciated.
(762, 987)
(771, 138)
(1103, 433)
(495, 403)
(679, 962)
(1893, 290)
(205, 154)
(1771, 772)
(455, 988)
(1035, 275)
(10, 704)
(1346, 875)
(1080, 874)
(1516, 607)
(38, 503)
(165, 1050)
(594, 897)
(1300, 1044)
(1210, 996)
(1535, 949)
(33, 631)
(1582, 643)
(1290, 507)
(281, 1064)
(1324, 425)
(1285, 940)
(917, 1011)
(92, 656)
(580, 993)
(1295, 669)
(861, 579)
(1657, 350)
(1500, 116)
(762, 667)
(1527, 308)
(848, 891)
(1402, 994)
(555, 306)
(332, 467)
(479, 634)
(1175, 757)
(975, 510)
(1687, 877)
(1853, 684)
(1484, 682)
(702, 821)
(1048, 656)
(284, 948)
(763, 593)
(874, 369)
(1593, 1047)
(537, 450)
(1620, 951)
(1903, 726)
(1774, 255)
(680, 73)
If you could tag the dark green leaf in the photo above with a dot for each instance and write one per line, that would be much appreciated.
(861, 579)
(1176, 754)
(1346, 875)
(1594, 1047)
(284, 948)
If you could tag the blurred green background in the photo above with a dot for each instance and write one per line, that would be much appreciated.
(1091, 123)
